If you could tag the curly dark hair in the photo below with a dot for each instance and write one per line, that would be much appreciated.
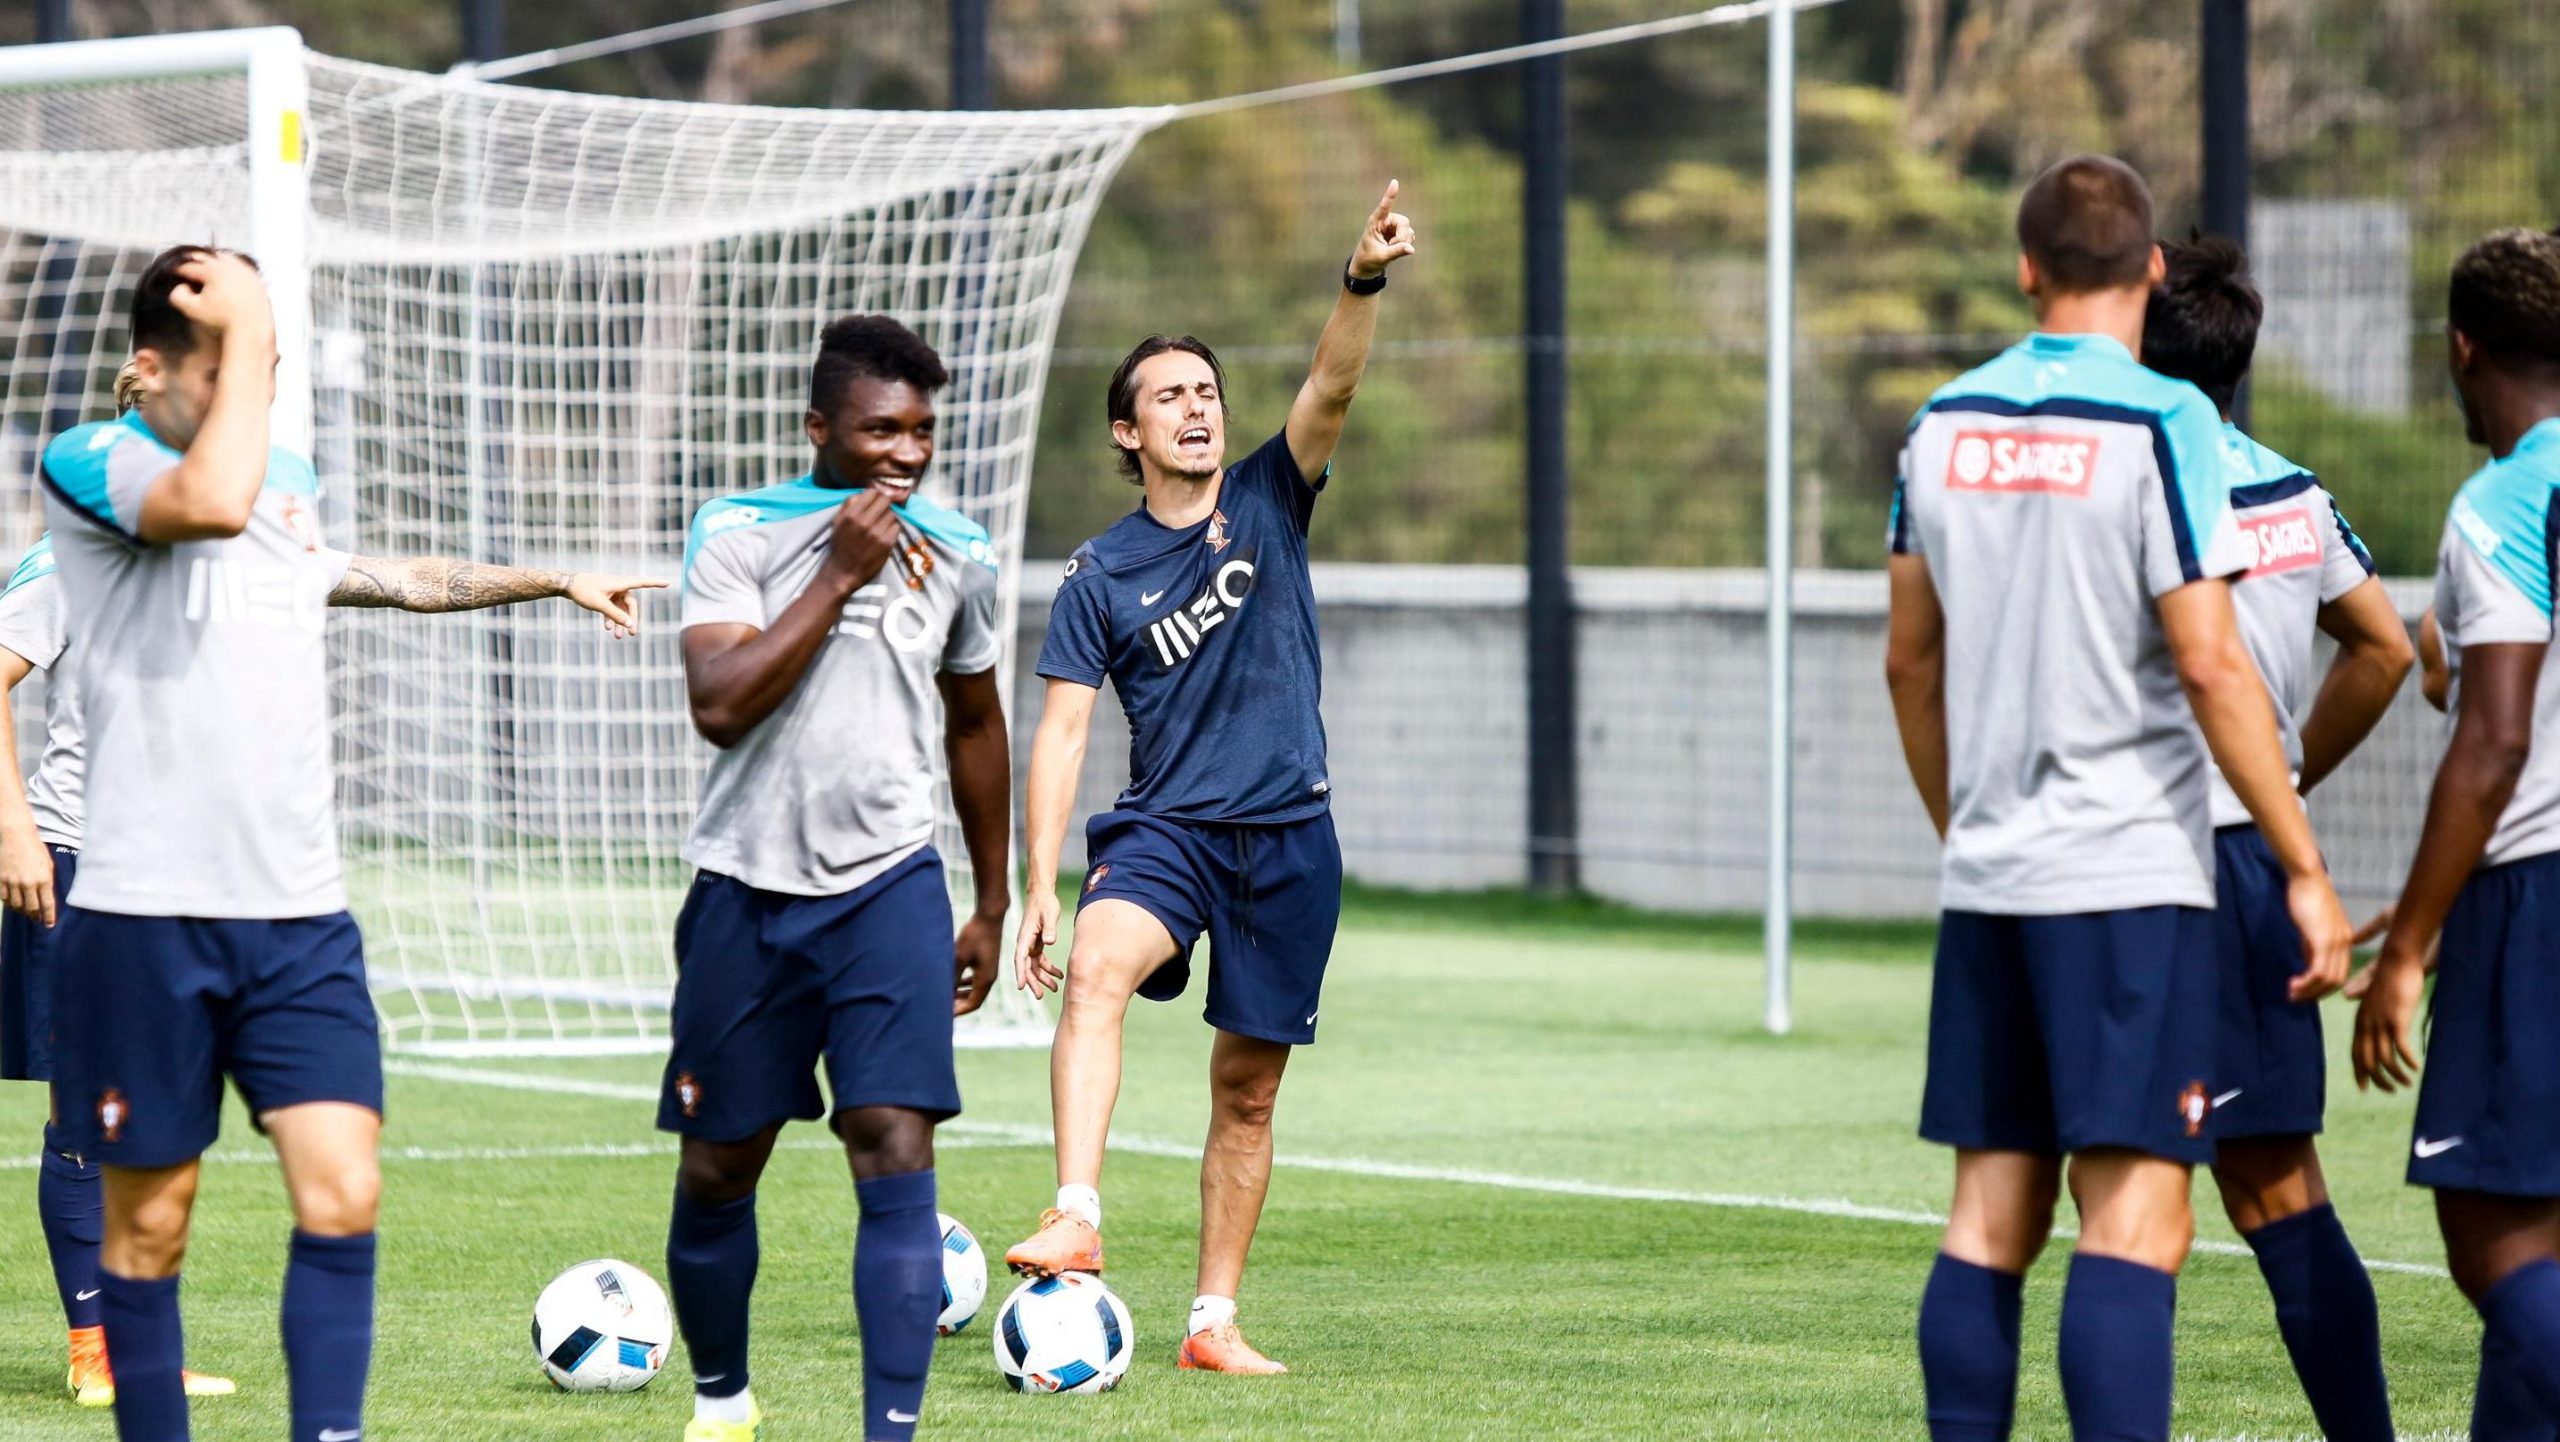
(855, 346)
(1120, 403)
(2086, 223)
(2202, 325)
(2506, 295)
(157, 324)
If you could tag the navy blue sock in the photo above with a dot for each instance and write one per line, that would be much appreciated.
(1969, 1350)
(2503, 1409)
(73, 1204)
(711, 1276)
(144, 1346)
(897, 1292)
(2523, 1312)
(327, 1321)
(2325, 1308)
(2119, 1325)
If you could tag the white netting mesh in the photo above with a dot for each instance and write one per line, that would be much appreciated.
(545, 327)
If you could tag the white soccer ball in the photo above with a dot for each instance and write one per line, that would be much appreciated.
(1067, 1333)
(602, 1326)
(964, 1276)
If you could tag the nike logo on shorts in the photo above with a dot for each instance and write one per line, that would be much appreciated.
(2425, 1148)
(2225, 1098)
(1149, 600)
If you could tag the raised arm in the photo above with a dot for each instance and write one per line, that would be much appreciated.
(981, 760)
(2373, 658)
(1049, 797)
(431, 584)
(1915, 671)
(1342, 355)
(26, 868)
(2492, 739)
(213, 488)
(736, 675)
(2239, 723)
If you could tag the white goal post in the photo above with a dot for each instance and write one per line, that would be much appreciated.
(532, 328)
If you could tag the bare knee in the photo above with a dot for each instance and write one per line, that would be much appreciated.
(886, 1141)
(1095, 991)
(2003, 1223)
(2134, 1208)
(341, 1201)
(715, 1174)
(1245, 1094)
(146, 1233)
(2264, 1180)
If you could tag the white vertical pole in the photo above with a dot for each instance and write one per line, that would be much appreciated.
(280, 219)
(1778, 916)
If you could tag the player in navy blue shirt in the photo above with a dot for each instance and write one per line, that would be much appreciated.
(1197, 608)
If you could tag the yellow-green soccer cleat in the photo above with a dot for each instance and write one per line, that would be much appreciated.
(93, 1383)
(703, 1429)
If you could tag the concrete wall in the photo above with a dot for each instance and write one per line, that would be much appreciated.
(1426, 717)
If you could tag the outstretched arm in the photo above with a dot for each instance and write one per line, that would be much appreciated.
(1315, 418)
(2373, 659)
(431, 583)
(982, 792)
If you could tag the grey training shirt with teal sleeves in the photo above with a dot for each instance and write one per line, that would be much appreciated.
(838, 784)
(2057, 492)
(33, 623)
(2493, 586)
(2302, 556)
(203, 676)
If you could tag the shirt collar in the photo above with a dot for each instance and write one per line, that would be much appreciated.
(2062, 347)
(2540, 442)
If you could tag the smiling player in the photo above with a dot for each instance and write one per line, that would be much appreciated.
(1196, 608)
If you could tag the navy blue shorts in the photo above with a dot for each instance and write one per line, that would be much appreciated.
(2058, 1034)
(2272, 1076)
(152, 1012)
(768, 983)
(1269, 898)
(2489, 1099)
(26, 982)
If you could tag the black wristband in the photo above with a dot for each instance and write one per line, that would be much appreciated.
(1357, 286)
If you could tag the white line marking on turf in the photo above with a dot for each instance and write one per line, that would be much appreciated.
(589, 1151)
(1013, 1134)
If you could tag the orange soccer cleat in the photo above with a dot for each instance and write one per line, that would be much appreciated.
(1223, 1349)
(93, 1383)
(1064, 1243)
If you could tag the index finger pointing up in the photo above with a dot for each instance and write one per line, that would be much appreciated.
(1386, 203)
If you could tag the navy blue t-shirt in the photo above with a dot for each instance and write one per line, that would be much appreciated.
(1209, 632)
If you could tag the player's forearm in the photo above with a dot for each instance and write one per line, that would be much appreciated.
(2238, 719)
(214, 488)
(2353, 698)
(1049, 798)
(430, 584)
(1920, 714)
(2472, 788)
(1342, 352)
(733, 690)
(981, 759)
(17, 815)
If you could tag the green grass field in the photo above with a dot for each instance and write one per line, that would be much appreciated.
(1542, 1176)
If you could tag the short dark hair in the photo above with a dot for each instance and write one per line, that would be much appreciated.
(2086, 223)
(2202, 326)
(157, 324)
(855, 346)
(2506, 295)
(1121, 404)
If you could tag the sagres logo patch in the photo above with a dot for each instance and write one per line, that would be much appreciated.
(2022, 462)
(2281, 541)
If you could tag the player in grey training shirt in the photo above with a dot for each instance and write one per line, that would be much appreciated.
(2060, 632)
(209, 904)
(841, 635)
(2307, 573)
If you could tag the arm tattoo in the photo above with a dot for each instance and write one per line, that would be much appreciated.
(435, 584)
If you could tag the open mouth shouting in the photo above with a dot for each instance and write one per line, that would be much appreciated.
(1191, 439)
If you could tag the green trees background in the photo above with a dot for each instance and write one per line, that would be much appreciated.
(1919, 119)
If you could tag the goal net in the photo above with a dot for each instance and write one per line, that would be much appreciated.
(533, 328)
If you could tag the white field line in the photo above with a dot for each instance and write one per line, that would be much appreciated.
(965, 1132)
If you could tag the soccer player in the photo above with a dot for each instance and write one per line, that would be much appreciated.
(838, 629)
(1196, 606)
(206, 932)
(2307, 573)
(2487, 871)
(39, 854)
(2060, 630)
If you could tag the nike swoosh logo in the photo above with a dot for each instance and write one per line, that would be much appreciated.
(84, 1296)
(901, 1418)
(340, 1434)
(2425, 1148)
(714, 1377)
(1151, 598)
(2225, 1098)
